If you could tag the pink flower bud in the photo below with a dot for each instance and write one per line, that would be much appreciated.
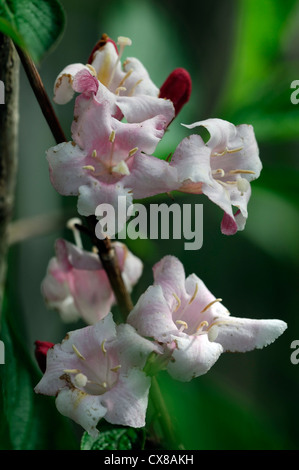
(41, 349)
(177, 87)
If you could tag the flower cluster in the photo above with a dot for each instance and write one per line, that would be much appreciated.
(104, 369)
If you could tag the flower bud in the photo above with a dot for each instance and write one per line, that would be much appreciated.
(177, 88)
(41, 349)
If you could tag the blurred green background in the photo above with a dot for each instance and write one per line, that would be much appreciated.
(242, 57)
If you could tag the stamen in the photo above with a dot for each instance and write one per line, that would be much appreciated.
(210, 305)
(94, 153)
(103, 346)
(112, 136)
(194, 295)
(133, 151)
(71, 224)
(88, 167)
(122, 42)
(71, 371)
(118, 89)
(125, 78)
(234, 150)
(184, 325)
(80, 380)
(116, 368)
(178, 301)
(226, 150)
(219, 171)
(77, 352)
(201, 325)
(134, 87)
(104, 384)
(236, 172)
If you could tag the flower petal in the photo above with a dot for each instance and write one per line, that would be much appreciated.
(243, 334)
(151, 315)
(66, 163)
(126, 403)
(194, 356)
(150, 176)
(84, 409)
(63, 87)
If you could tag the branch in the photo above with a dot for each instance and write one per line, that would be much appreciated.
(9, 118)
(41, 96)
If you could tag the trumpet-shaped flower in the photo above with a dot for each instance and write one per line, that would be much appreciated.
(222, 169)
(77, 286)
(95, 165)
(127, 87)
(96, 373)
(182, 314)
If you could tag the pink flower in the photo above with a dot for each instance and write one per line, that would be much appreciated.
(77, 285)
(96, 373)
(128, 87)
(95, 165)
(222, 169)
(182, 314)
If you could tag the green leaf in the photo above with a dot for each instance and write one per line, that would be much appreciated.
(35, 25)
(28, 421)
(113, 439)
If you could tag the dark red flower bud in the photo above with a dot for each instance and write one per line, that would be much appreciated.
(177, 88)
(101, 43)
(41, 349)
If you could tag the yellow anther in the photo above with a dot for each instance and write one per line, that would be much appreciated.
(234, 150)
(201, 325)
(112, 136)
(133, 151)
(71, 371)
(104, 384)
(119, 89)
(89, 167)
(103, 346)
(195, 294)
(210, 305)
(124, 41)
(77, 352)
(94, 153)
(237, 171)
(182, 323)
(116, 368)
(219, 172)
(178, 301)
